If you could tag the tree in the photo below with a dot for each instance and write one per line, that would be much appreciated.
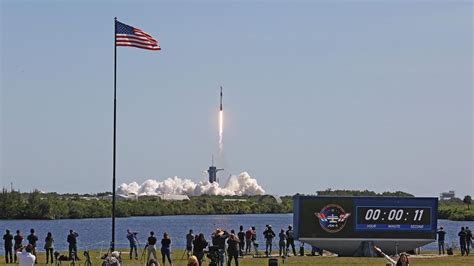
(467, 200)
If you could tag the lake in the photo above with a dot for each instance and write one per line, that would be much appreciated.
(96, 233)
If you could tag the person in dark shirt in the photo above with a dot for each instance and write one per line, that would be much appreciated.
(468, 240)
(151, 247)
(18, 243)
(133, 241)
(441, 233)
(233, 248)
(199, 244)
(8, 244)
(32, 239)
(269, 235)
(462, 241)
(72, 240)
(189, 243)
(218, 239)
(166, 248)
(241, 236)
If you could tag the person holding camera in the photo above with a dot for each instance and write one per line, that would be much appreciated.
(25, 257)
(218, 239)
(269, 235)
(166, 249)
(72, 240)
(199, 244)
(254, 239)
(132, 239)
(233, 248)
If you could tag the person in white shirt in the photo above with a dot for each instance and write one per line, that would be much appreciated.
(25, 257)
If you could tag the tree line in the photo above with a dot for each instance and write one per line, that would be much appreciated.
(37, 205)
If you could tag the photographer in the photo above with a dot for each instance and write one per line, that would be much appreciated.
(233, 248)
(254, 239)
(25, 257)
(72, 240)
(132, 239)
(189, 243)
(218, 239)
(241, 236)
(269, 235)
(199, 244)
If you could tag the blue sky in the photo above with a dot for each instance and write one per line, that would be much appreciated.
(343, 95)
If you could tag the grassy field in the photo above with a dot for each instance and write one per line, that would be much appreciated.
(424, 259)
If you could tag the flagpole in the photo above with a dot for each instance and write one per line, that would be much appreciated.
(112, 244)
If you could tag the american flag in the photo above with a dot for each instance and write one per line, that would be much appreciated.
(126, 35)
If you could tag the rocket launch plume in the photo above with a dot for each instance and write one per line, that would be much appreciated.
(243, 184)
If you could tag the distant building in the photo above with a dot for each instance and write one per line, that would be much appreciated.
(234, 200)
(447, 195)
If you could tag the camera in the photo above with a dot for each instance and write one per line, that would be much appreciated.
(213, 255)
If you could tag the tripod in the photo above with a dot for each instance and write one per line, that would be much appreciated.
(144, 250)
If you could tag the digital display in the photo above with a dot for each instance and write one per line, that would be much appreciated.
(365, 217)
(393, 218)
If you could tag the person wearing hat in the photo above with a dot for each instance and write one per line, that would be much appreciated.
(290, 240)
(441, 233)
(269, 235)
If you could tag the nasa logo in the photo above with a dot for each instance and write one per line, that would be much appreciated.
(332, 218)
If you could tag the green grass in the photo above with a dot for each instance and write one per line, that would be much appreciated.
(425, 259)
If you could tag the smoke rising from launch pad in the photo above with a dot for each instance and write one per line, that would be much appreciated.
(243, 184)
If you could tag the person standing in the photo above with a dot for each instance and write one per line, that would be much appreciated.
(462, 241)
(248, 240)
(151, 247)
(166, 248)
(290, 240)
(241, 236)
(199, 244)
(25, 257)
(269, 235)
(282, 242)
(32, 239)
(468, 240)
(18, 242)
(218, 239)
(72, 240)
(189, 243)
(254, 239)
(441, 233)
(233, 248)
(132, 239)
(49, 247)
(8, 245)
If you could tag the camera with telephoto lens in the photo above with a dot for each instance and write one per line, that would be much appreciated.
(213, 255)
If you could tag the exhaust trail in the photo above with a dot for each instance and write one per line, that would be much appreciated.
(221, 127)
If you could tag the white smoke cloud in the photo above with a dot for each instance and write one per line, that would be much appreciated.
(243, 184)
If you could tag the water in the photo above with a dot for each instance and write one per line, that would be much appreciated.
(96, 233)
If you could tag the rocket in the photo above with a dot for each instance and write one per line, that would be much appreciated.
(221, 100)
